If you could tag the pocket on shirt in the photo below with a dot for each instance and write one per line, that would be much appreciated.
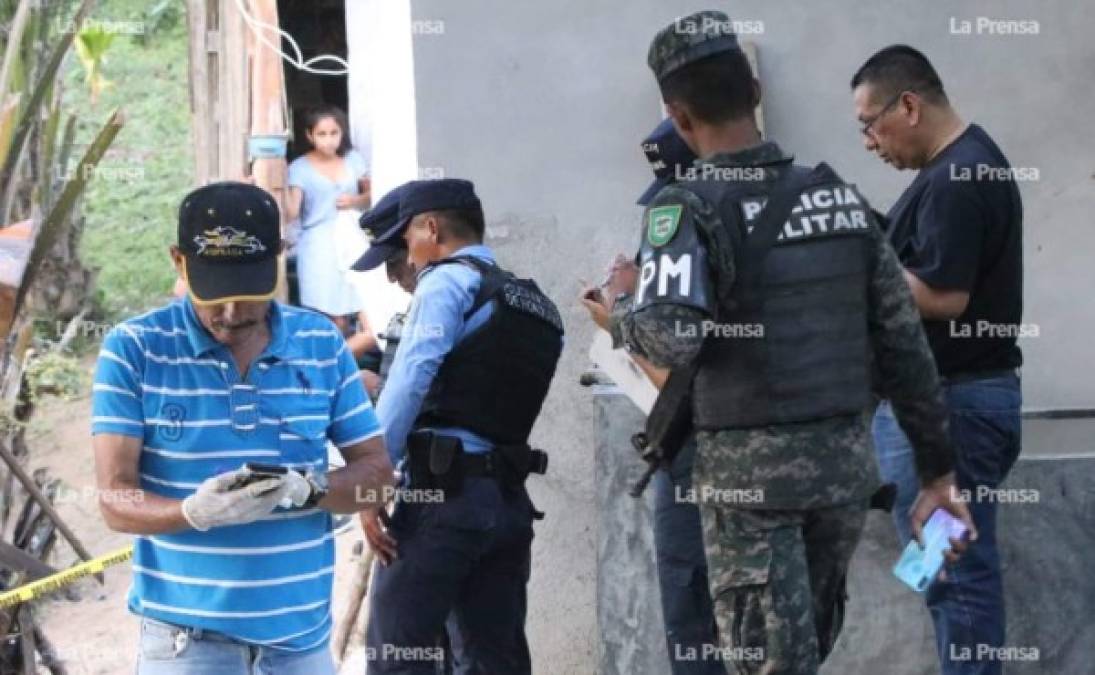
(302, 435)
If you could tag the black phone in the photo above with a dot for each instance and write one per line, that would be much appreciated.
(259, 471)
(595, 295)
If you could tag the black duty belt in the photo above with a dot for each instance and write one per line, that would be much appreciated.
(478, 464)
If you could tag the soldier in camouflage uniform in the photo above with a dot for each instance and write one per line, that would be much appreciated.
(784, 468)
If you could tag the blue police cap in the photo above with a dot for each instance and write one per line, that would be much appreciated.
(421, 196)
(377, 222)
(385, 209)
(666, 151)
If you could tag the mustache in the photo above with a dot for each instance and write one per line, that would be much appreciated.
(221, 325)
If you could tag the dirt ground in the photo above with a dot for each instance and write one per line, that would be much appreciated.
(89, 625)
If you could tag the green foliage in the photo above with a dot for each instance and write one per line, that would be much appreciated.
(131, 204)
(161, 18)
(91, 46)
(56, 374)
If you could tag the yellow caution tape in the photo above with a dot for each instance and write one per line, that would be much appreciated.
(59, 580)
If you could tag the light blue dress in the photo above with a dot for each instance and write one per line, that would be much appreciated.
(323, 285)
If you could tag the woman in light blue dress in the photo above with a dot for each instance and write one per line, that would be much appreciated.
(330, 177)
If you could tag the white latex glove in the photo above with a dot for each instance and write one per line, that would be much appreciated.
(295, 490)
(215, 504)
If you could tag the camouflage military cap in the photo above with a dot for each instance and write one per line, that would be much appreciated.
(690, 39)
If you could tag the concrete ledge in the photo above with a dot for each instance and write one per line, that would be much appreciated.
(1046, 546)
(629, 615)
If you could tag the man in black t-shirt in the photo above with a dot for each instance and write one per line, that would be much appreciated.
(957, 230)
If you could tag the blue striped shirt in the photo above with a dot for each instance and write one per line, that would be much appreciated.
(161, 377)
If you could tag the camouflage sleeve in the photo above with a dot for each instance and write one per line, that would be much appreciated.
(620, 310)
(669, 336)
(676, 290)
(905, 370)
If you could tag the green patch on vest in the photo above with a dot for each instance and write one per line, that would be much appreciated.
(662, 224)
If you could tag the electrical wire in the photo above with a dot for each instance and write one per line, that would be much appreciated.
(257, 27)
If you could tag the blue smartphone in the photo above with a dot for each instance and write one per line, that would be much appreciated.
(917, 567)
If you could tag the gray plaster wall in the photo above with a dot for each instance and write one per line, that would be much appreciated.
(1046, 534)
(543, 105)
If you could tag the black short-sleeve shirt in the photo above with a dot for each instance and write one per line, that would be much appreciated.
(959, 226)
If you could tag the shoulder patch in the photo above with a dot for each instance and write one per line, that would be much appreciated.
(662, 224)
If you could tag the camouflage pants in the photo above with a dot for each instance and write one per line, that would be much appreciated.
(777, 579)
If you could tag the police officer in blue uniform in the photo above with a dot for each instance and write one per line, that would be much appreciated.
(678, 535)
(376, 222)
(473, 368)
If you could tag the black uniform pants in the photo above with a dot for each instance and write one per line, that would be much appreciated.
(690, 631)
(463, 566)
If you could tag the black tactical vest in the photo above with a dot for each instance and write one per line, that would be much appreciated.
(791, 344)
(495, 380)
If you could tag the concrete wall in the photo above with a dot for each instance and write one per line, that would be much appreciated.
(1046, 538)
(543, 105)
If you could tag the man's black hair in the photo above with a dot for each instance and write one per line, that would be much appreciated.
(464, 224)
(716, 89)
(899, 68)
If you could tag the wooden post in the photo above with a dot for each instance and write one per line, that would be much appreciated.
(268, 112)
(237, 88)
(219, 89)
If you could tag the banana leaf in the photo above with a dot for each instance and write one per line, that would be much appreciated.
(8, 111)
(42, 89)
(15, 39)
(50, 172)
(57, 219)
(67, 140)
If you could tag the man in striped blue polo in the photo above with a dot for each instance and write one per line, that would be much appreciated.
(232, 564)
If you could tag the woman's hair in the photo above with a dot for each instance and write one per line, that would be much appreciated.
(315, 114)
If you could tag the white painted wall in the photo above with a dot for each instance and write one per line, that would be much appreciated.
(382, 121)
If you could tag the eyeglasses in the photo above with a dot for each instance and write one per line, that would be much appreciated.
(868, 123)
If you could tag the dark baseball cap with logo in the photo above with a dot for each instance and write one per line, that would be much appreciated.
(667, 152)
(230, 236)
